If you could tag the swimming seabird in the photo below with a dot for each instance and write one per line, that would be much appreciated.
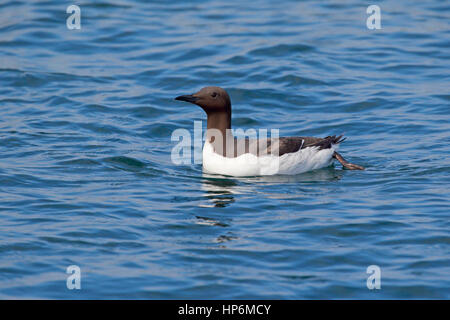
(227, 155)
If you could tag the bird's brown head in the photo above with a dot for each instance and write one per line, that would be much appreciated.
(210, 99)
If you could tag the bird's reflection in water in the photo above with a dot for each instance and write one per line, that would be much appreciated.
(221, 190)
(210, 221)
(321, 175)
(222, 239)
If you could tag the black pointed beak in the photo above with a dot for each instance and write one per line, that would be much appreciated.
(188, 98)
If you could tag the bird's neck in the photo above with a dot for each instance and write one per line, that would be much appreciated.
(218, 131)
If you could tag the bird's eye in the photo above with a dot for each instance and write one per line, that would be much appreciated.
(214, 94)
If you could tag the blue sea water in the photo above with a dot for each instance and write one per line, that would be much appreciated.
(86, 177)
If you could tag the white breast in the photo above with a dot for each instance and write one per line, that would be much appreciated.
(250, 165)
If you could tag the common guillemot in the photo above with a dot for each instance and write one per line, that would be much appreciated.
(227, 155)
